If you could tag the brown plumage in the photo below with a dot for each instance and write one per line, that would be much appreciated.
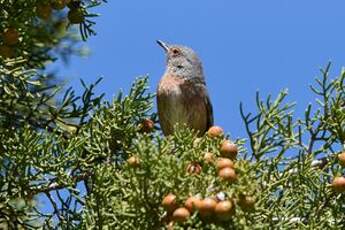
(181, 94)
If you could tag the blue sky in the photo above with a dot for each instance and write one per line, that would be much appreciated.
(245, 46)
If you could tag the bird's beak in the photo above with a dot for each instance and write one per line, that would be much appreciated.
(163, 45)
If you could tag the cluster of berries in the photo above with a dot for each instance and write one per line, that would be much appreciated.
(11, 36)
(338, 183)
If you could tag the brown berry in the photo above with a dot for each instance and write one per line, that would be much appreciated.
(194, 168)
(209, 157)
(227, 174)
(147, 125)
(10, 36)
(206, 206)
(192, 203)
(76, 15)
(341, 159)
(247, 203)
(224, 210)
(44, 11)
(133, 161)
(224, 163)
(181, 214)
(215, 131)
(338, 184)
(228, 149)
(169, 202)
(59, 4)
(6, 51)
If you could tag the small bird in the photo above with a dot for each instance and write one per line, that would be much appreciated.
(182, 94)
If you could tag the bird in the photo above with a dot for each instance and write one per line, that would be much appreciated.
(182, 96)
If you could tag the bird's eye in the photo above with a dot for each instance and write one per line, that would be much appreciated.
(175, 51)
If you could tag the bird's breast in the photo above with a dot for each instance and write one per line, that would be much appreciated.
(170, 85)
(171, 99)
(180, 102)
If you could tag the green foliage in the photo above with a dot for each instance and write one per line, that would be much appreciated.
(41, 161)
(136, 193)
(289, 189)
(42, 30)
(294, 185)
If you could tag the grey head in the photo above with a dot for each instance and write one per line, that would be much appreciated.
(182, 61)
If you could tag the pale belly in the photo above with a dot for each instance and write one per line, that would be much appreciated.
(178, 105)
(177, 108)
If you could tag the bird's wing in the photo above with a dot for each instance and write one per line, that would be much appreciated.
(206, 100)
(209, 109)
(208, 105)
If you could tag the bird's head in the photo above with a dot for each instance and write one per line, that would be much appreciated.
(182, 60)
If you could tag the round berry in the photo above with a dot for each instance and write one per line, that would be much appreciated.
(224, 163)
(338, 184)
(147, 126)
(227, 174)
(192, 203)
(169, 202)
(224, 210)
(181, 214)
(228, 149)
(206, 206)
(215, 131)
(10, 36)
(341, 159)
